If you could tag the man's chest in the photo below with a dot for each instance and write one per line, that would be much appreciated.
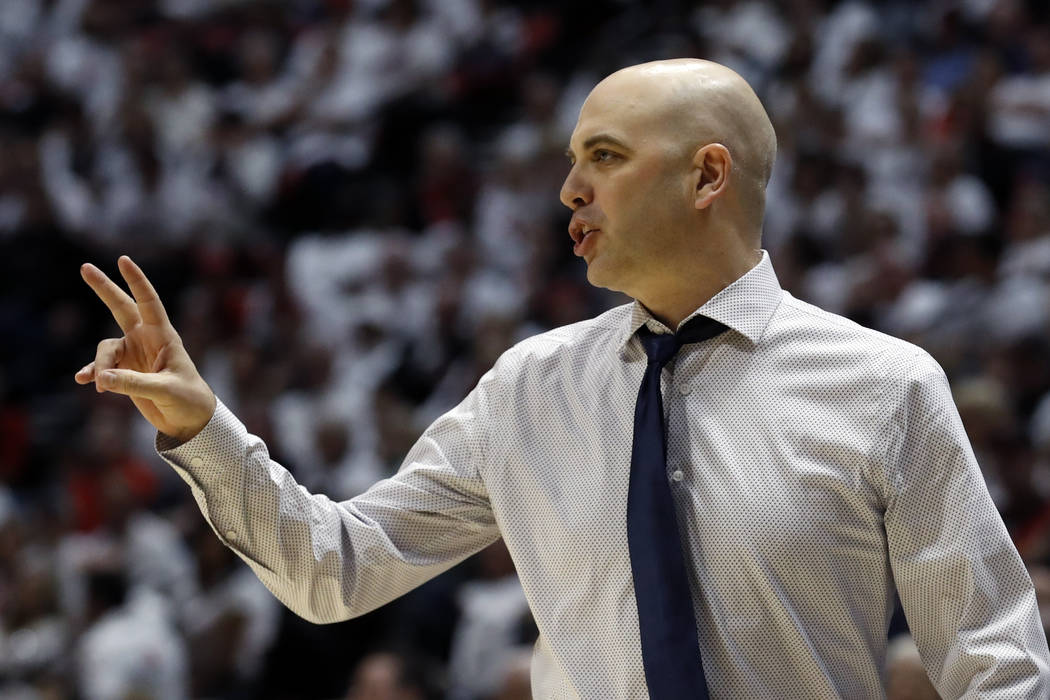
(781, 474)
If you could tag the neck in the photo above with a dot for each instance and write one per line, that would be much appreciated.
(690, 289)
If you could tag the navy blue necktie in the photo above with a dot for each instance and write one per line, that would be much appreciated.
(670, 650)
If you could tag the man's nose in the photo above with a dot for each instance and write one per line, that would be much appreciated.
(575, 191)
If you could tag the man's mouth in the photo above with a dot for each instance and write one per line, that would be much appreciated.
(579, 230)
(583, 240)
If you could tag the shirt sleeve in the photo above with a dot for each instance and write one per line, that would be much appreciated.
(330, 561)
(968, 598)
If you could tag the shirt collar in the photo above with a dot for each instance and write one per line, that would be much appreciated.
(745, 306)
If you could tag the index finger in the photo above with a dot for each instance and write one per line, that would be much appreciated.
(150, 306)
(116, 299)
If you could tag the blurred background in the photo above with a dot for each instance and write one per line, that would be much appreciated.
(350, 209)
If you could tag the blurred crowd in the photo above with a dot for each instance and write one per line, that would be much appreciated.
(350, 208)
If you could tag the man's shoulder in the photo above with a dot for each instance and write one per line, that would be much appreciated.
(600, 334)
(837, 338)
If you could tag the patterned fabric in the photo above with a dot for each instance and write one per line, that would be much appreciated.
(816, 465)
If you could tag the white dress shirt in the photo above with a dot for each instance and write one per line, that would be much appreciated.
(816, 466)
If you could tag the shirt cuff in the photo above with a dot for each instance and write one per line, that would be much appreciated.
(219, 442)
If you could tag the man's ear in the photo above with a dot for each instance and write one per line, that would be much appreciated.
(712, 164)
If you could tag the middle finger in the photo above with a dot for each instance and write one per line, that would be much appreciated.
(122, 306)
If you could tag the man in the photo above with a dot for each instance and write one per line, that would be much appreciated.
(809, 466)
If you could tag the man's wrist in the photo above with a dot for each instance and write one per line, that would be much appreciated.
(168, 441)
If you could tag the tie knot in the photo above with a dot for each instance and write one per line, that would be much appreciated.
(660, 348)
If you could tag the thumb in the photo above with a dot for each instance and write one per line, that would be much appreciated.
(130, 383)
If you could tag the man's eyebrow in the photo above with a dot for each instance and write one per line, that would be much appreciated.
(595, 140)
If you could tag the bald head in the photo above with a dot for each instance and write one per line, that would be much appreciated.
(692, 103)
(669, 165)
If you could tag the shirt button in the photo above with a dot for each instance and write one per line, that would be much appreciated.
(231, 534)
(677, 475)
(684, 389)
(197, 462)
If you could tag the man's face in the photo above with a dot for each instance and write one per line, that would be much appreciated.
(629, 186)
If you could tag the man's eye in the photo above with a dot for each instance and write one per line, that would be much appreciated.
(602, 155)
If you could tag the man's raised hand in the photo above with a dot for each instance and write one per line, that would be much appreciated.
(148, 363)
